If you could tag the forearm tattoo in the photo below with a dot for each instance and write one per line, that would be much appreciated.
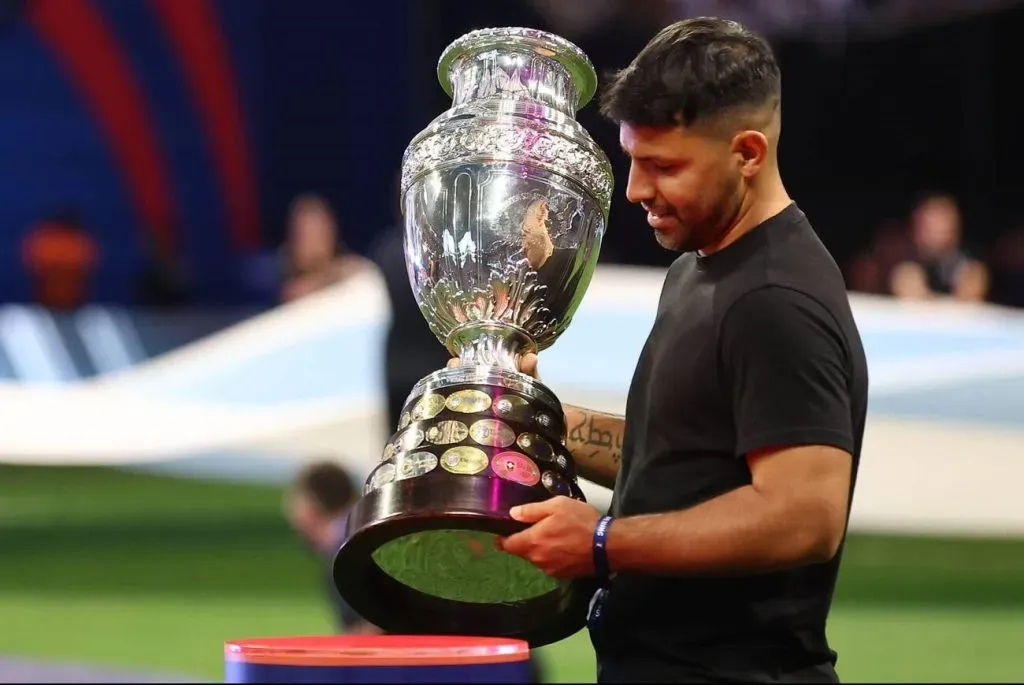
(594, 433)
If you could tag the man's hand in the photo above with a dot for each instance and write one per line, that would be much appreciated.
(908, 281)
(560, 541)
(528, 365)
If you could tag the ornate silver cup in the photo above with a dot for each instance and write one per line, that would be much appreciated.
(506, 199)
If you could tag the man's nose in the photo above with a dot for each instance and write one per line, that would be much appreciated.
(638, 187)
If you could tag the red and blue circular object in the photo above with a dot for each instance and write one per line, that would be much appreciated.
(377, 659)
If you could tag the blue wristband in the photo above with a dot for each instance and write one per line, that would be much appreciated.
(600, 549)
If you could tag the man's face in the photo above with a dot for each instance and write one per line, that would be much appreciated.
(306, 519)
(936, 227)
(689, 184)
(313, 236)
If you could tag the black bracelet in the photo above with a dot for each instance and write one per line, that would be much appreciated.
(600, 549)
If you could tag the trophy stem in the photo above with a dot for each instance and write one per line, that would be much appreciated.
(490, 343)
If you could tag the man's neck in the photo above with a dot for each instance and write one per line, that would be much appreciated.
(751, 215)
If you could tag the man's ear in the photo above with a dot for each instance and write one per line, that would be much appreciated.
(750, 149)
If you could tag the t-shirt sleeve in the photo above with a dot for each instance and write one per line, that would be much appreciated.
(785, 359)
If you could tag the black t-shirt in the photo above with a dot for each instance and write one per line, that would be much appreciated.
(753, 346)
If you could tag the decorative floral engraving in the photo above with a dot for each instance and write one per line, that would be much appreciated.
(514, 143)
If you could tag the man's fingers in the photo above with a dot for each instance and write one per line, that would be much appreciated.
(454, 362)
(516, 544)
(533, 512)
(528, 364)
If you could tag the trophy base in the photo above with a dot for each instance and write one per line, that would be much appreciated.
(418, 551)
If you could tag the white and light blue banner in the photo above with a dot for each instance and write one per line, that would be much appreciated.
(944, 448)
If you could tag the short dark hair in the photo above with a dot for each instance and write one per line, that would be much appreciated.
(692, 71)
(327, 484)
(310, 200)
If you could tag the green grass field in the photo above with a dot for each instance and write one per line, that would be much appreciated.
(132, 570)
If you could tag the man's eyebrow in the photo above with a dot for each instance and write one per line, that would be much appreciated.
(657, 159)
(639, 158)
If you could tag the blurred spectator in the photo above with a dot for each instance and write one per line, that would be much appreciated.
(316, 506)
(315, 256)
(411, 350)
(61, 257)
(163, 280)
(572, 18)
(1008, 269)
(870, 271)
(939, 265)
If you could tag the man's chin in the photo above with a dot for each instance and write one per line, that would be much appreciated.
(673, 240)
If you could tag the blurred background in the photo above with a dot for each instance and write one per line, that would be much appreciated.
(197, 228)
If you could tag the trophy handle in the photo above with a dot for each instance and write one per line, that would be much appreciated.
(490, 343)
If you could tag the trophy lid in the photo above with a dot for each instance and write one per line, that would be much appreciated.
(568, 54)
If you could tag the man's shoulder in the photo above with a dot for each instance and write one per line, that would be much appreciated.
(798, 245)
(789, 266)
(801, 260)
(764, 310)
(784, 254)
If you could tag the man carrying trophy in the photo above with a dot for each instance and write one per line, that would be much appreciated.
(734, 466)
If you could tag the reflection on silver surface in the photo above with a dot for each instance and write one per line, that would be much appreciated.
(492, 433)
(447, 433)
(505, 196)
(381, 476)
(536, 446)
(468, 401)
(556, 484)
(487, 376)
(464, 460)
(428, 407)
(409, 440)
(414, 464)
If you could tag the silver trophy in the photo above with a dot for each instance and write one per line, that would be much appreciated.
(506, 200)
